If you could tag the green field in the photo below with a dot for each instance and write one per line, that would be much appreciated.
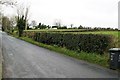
(114, 33)
(78, 31)
(57, 30)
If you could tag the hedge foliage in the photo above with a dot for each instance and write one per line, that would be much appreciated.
(91, 43)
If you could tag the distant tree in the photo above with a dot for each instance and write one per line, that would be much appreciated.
(89, 28)
(74, 28)
(43, 26)
(39, 25)
(108, 28)
(48, 26)
(80, 27)
(71, 25)
(33, 23)
(57, 23)
(63, 27)
(54, 26)
(95, 28)
(116, 28)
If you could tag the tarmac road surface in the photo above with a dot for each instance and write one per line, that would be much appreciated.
(25, 60)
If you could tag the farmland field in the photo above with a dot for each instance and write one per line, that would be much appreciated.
(83, 31)
(114, 34)
(79, 31)
(57, 30)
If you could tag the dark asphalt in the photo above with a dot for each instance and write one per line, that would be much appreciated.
(24, 60)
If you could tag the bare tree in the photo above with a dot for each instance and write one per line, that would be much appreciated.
(33, 23)
(20, 10)
(12, 21)
(57, 22)
(23, 10)
(6, 3)
(0, 18)
(26, 16)
(71, 25)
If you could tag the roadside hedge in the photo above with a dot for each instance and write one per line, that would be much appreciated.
(91, 43)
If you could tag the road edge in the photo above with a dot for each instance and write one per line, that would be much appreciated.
(1, 62)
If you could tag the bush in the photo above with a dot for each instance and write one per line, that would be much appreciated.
(91, 43)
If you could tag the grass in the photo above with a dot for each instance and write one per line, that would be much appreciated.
(0, 66)
(0, 71)
(57, 30)
(114, 33)
(101, 60)
(78, 31)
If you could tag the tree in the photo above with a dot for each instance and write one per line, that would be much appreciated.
(8, 2)
(39, 25)
(22, 20)
(34, 23)
(48, 27)
(54, 26)
(5, 24)
(21, 25)
(63, 27)
(23, 10)
(8, 23)
(42, 26)
(57, 23)
(11, 3)
(13, 23)
(71, 25)
(26, 17)
(0, 17)
(80, 27)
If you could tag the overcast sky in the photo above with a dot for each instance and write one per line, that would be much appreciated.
(90, 13)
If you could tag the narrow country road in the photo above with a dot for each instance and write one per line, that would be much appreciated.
(25, 60)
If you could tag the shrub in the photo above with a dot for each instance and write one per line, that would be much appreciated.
(91, 43)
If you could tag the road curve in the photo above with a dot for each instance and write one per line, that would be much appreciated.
(25, 60)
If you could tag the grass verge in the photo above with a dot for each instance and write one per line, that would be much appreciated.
(0, 66)
(0, 71)
(101, 60)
